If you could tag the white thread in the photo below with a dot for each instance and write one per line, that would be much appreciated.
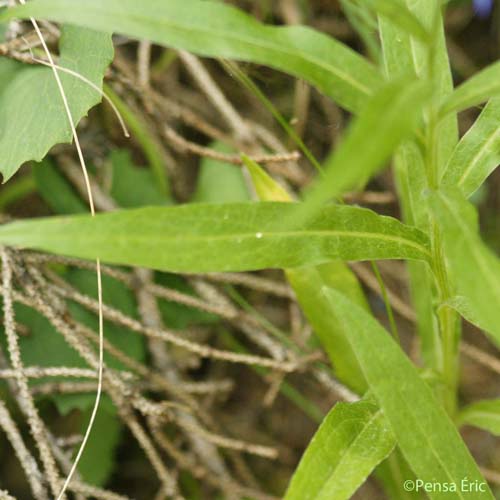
(94, 86)
(98, 262)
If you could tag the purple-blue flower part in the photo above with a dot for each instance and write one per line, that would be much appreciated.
(483, 7)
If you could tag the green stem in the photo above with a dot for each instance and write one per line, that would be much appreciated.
(151, 148)
(234, 70)
(164, 62)
(447, 317)
(448, 323)
(16, 190)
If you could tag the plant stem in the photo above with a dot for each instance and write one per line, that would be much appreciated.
(234, 70)
(448, 323)
(149, 145)
(447, 317)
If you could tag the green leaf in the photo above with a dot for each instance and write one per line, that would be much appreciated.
(401, 16)
(483, 414)
(213, 29)
(406, 56)
(55, 189)
(133, 186)
(307, 283)
(117, 295)
(473, 267)
(236, 237)
(177, 315)
(17, 190)
(8, 71)
(32, 115)
(45, 346)
(425, 434)
(390, 116)
(352, 440)
(98, 459)
(364, 24)
(266, 187)
(476, 90)
(145, 138)
(393, 473)
(477, 154)
(219, 182)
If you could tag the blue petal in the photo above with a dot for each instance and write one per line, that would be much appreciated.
(483, 7)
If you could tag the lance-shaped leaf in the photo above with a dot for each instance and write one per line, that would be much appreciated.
(236, 237)
(476, 90)
(32, 115)
(478, 152)
(473, 267)
(401, 16)
(389, 117)
(352, 440)
(404, 55)
(213, 29)
(483, 414)
(425, 434)
(307, 283)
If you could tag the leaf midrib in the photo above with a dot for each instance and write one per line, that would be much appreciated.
(413, 418)
(475, 159)
(475, 250)
(369, 422)
(89, 237)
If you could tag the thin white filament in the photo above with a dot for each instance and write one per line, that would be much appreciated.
(90, 84)
(98, 263)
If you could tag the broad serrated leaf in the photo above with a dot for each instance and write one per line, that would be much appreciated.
(473, 268)
(228, 237)
(389, 117)
(483, 414)
(213, 29)
(425, 434)
(32, 115)
(352, 440)
(477, 154)
(476, 90)
(9, 69)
